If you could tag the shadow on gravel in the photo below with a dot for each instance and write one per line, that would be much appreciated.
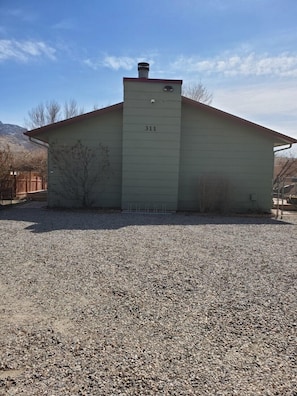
(46, 220)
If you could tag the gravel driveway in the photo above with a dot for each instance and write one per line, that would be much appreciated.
(128, 304)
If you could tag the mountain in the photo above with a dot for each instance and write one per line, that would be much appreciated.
(13, 136)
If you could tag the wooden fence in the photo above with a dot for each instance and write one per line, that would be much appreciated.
(17, 185)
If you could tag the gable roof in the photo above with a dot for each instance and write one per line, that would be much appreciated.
(40, 133)
(278, 138)
(152, 80)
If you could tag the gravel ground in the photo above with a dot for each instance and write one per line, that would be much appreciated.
(128, 304)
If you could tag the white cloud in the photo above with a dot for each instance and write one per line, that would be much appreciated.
(116, 62)
(273, 105)
(24, 50)
(112, 62)
(250, 64)
(92, 64)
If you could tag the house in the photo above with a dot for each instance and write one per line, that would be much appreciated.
(160, 151)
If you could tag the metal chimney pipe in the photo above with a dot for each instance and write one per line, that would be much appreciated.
(143, 69)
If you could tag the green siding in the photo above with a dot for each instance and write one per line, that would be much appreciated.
(151, 145)
(105, 129)
(223, 159)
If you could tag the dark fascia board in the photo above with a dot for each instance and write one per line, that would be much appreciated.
(60, 124)
(277, 137)
(152, 80)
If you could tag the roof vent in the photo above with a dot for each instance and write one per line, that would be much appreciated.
(143, 69)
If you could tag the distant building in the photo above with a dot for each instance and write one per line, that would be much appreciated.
(168, 152)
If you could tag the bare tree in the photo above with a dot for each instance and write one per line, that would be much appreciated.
(53, 110)
(198, 92)
(37, 117)
(214, 191)
(6, 160)
(35, 160)
(43, 114)
(71, 109)
(80, 170)
(284, 167)
(50, 112)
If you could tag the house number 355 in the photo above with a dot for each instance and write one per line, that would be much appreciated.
(150, 128)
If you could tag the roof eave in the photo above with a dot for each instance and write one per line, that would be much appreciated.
(60, 124)
(279, 138)
(152, 80)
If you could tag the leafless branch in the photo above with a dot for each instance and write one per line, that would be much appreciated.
(198, 92)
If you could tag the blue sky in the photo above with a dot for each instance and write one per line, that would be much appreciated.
(243, 51)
